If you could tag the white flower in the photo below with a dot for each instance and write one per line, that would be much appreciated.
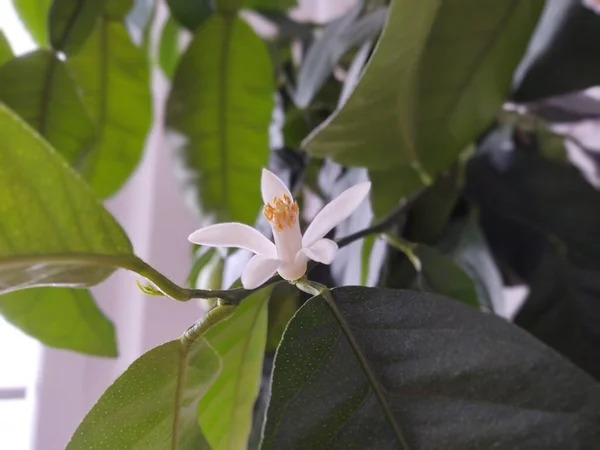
(291, 251)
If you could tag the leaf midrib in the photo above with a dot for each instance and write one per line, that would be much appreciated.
(222, 107)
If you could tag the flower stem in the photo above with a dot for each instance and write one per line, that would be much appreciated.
(191, 335)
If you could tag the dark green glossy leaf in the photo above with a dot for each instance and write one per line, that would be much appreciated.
(114, 77)
(136, 412)
(191, 14)
(567, 37)
(39, 88)
(61, 318)
(219, 113)
(118, 9)
(225, 411)
(454, 378)
(72, 21)
(168, 53)
(546, 228)
(434, 80)
(34, 15)
(6, 52)
(52, 229)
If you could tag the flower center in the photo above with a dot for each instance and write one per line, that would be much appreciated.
(282, 212)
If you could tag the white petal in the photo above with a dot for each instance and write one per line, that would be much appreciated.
(234, 234)
(293, 270)
(323, 251)
(335, 212)
(258, 270)
(271, 186)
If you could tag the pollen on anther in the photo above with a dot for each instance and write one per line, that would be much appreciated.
(282, 212)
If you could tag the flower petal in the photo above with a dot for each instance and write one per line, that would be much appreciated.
(335, 212)
(258, 270)
(323, 251)
(234, 234)
(271, 186)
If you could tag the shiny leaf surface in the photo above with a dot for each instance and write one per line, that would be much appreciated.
(454, 378)
(225, 412)
(136, 412)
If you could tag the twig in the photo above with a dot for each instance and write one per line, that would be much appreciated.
(385, 223)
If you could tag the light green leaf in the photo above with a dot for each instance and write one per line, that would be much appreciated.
(430, 87)
(191, 14)
(219, 112)
(52, 229)
(6, 52)
(38, 87)
(225, 411)
(137, 411)
(168, 53)
(72, 21)
(114, 77)
(33, 14)
(61, 318)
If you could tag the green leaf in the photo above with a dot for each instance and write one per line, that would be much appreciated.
(270, 5)
(33, 14)
(436, 272)
(52, 229)
(39, 88)
(219, 112)
(191, 14)
(136, 412)
(225, 411)
(325, 53)
(168, 53)
(444, 276)
(6, 52)
(473, 254)
(114, 77)
(118, 9)
(72, 21)
(543, 223)
(283, 304)
(431, 81)
(61, 318)
(437, 364)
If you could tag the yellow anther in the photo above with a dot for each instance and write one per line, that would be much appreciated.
(282, 213)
